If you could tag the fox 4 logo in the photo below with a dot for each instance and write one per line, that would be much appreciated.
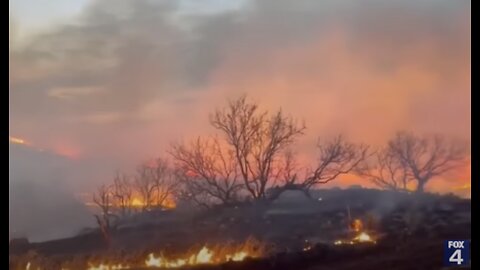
(456, 253)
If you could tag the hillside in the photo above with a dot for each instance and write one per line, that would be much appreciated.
(394, 219)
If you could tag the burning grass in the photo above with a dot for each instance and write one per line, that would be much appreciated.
(362, 237)
(108, 267)
(206, 255)
(296, 241)
(209, 255)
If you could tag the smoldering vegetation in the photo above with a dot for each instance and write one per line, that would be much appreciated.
(122, 82)
(289, 225)
(245, 182)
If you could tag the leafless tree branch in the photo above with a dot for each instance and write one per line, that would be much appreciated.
(385, 171)
(335, 158)
(122, 194)
(257, 139)
(428, 157)
(207, 167)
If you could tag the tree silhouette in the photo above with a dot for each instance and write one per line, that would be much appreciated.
(207, 171)
(257, 139)
(425, 158)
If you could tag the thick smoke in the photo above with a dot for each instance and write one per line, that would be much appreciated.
(141, 71)
(117, 84)
(41, 205)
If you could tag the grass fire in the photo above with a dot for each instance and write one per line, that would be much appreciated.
(360, 235)
(211, 255)
(217, 203)
(203, 256)
(239, 135)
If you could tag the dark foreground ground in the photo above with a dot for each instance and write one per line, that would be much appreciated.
(420, 255)
(411, 233)
(415, 252)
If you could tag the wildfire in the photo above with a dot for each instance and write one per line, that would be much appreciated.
(108, 267)
(135, 202)
(357, 225)
(362, 237)
(168, 203)
(214, 255)
(204, 256)
(239, 256)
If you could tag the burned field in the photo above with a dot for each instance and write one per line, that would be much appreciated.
(335, 229)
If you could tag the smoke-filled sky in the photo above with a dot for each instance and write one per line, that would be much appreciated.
(110, 83)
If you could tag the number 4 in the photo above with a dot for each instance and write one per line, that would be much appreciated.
(456, 257)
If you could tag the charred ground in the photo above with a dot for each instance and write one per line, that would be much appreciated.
(409, 228)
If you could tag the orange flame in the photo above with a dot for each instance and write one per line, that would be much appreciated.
(357, 225)
(221, 254)
(204, 256)
(135, 202)
(362, 237)
(108, 267)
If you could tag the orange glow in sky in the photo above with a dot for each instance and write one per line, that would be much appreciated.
(118, 97)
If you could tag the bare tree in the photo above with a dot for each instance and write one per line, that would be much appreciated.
(164, 181)
(257, 139)
(288, 172)
(145, 186)
(207, 170)
(122, 194)
(193, 193)
(288, 175)
(385, 171)
(103, 199)
(335, 157)
(428, 157)
(155, 183)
